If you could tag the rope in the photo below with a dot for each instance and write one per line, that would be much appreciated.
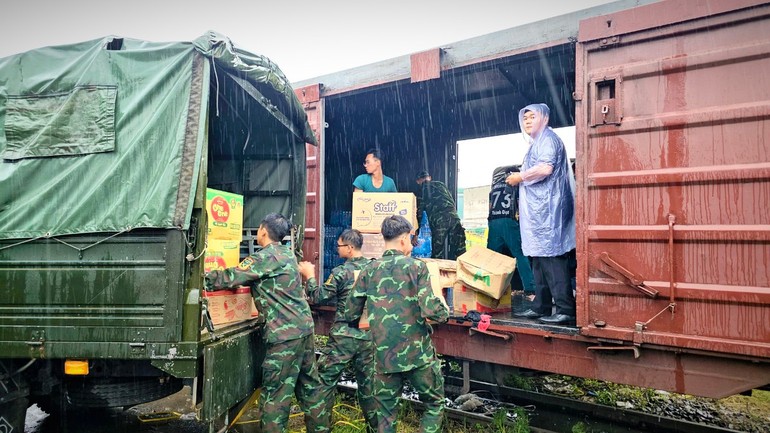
(24, 242)
(80, 250)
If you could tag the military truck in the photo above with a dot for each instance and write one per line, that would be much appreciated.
(107, 149)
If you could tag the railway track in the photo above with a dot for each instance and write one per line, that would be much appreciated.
(549, 413)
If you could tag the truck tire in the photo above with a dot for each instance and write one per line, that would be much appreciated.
(119, 392)
(12, 415)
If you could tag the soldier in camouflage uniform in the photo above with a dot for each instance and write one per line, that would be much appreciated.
(289, 366)
(346, 345)
(396, 291)
(445, 225)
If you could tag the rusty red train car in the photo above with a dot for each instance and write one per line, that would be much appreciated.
(670, 101)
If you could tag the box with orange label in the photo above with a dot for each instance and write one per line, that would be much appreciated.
(229, 306)
(225, 215)
(465, 299)
(221, 254)
(370, 208)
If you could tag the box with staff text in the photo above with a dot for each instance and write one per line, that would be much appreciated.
(370, 208)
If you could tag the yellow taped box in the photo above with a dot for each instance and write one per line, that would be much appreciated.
(370, 208)
(221, 254)
(225, 215)
(465, 299)
(486, 271)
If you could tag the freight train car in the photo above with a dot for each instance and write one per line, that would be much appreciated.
(670, 102)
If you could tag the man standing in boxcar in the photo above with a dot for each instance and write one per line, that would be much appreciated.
(546, 216)
(346, 345)
(289, 366)
(397, 294)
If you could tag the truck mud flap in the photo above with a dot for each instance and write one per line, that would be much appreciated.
(232, 370)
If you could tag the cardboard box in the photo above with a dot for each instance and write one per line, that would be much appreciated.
(225, 215)
(486, 271)
(221, 254)
(370, 208)
(447, 271)
(465, 299)
(374, 245)
(229, 306)
(435, 281)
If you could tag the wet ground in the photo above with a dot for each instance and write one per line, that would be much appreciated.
(173, 414)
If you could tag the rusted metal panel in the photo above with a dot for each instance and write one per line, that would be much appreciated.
(504, 43)
(310, 96)
(655, 15)
(689, 373)
(425, 65)
(674, 175)
(652, 366)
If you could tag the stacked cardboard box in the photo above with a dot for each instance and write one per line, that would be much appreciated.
(225, 221)
(483, 281)
(465, 299)
(370, 208)
(374, 245)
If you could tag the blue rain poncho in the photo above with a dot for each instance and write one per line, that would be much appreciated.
(546, 201)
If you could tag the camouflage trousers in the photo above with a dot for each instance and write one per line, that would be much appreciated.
(427, 381)
(447, 230)
(338, 353)
(289, 369)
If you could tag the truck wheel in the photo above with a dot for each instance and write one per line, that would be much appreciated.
(12, 415)
(117, 392)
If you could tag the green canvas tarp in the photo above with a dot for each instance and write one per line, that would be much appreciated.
(106, 136)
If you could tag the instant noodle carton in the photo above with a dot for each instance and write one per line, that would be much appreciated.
(225, 215)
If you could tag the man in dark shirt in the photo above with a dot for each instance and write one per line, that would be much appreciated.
(504, 234)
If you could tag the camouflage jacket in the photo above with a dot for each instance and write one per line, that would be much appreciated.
(338, 286)
(437, 202)
(397, 293)
(276, 285)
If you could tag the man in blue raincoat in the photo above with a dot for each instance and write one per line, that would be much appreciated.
(546, 216)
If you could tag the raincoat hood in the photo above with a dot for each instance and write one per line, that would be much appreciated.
(546, 204)
(542, 113)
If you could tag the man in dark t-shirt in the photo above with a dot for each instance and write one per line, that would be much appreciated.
(504, 234)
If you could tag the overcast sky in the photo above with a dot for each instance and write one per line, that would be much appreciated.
(305, 38)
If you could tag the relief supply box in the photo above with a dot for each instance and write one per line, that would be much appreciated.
(465, 299)
(486, 271)
(370, 208)
(225, 215)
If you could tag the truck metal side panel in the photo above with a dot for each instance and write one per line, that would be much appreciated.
(232, 369)
(121, 289)
(673, 120)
